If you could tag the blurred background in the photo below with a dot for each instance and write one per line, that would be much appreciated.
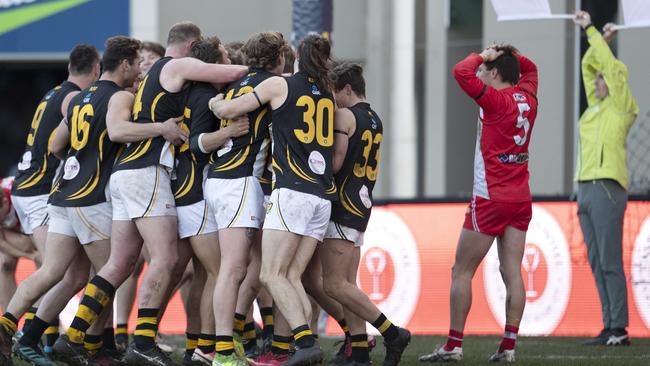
(408, 48)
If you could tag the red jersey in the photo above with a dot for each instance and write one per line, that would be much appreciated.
(11, 220)
(505, 125)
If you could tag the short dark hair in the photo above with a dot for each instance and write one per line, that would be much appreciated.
(83, 59)
(507, 64)
(349, 73)
(119, 48)
(234, 52)
(207, 50)
(183, 32)
(153, 47)
(262, 50)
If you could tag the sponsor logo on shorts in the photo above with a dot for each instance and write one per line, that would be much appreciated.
(389, 269)
(546, 270)
(269, 206)
(640, 272)
(71, 168)
(317, 162)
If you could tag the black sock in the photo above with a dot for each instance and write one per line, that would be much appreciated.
(280, 345)
(109, 338)
(34, 332)
(267, 319)
(146, 329)
(224, 345)
(303, 336)
(206, 342)
(29, 316)
(52, 333)
(360, 352)
(344, 326)
(387, 329)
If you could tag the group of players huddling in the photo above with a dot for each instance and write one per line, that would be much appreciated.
(259, 176)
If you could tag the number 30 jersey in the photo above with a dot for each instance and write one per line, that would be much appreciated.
(303, 139)
(88, 164)
(505, 125)
(358, 175)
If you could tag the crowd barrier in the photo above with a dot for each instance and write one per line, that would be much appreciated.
(406, 264)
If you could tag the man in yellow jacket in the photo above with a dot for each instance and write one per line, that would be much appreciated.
(602, 175)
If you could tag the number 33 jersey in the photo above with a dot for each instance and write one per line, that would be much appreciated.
(88, 164)
(505, 125)
(303, 139)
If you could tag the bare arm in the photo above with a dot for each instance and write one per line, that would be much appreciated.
(121, 129)
(12, 244)
(344, 127)
(271, 91)
(211, 141)
(176, 72)
(61, 140)
(66, 102)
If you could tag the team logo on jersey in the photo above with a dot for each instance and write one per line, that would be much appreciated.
(26, 161)
(87, 98)
(50, 93)
(245, 82)
(640, 272)
(71, 168)
(519, 97)
(546, 270)
(389, 269)
(317, 162)
(373, 124)
(314, 90)
(365, 196)
(513, 158)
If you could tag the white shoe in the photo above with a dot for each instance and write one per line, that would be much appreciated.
(442, 355)
(204, 358)
(507, 355)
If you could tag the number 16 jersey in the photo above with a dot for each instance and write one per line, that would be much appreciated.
(505, 125)
(303, 139)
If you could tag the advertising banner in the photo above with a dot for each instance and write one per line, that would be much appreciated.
(409, 250)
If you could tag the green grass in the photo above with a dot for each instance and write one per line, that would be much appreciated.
(530, 351)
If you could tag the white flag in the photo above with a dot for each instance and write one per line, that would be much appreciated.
(521, 10)
(636, 13)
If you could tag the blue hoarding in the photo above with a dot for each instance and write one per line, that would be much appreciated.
(56, 26)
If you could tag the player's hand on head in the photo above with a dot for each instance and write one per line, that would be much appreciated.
(490, 54)
(582, 18)
(172, 131)
(239, 126)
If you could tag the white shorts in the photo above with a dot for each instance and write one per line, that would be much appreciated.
(297, 212)
(195, 219)
(88, 223)
(338, 231)
(236, 202)
(31, 211)
(144, 192)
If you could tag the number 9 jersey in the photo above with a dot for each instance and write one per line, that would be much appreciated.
(505, 125)
(303, 139)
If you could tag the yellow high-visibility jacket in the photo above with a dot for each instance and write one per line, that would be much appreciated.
(605, 123)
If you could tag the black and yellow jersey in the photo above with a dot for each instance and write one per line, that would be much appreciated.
(91, 156)
(358, 175)
(38, 167)
(187, 184)
(303, 139)
(153, 104)
(245, 155)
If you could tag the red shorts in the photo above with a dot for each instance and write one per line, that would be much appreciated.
(492, 218)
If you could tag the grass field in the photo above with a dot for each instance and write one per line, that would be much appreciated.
(530, 351)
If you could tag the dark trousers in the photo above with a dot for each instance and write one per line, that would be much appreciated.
(601, 207)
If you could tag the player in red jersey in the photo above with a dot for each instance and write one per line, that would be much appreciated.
(504, 84)
(13, 244)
